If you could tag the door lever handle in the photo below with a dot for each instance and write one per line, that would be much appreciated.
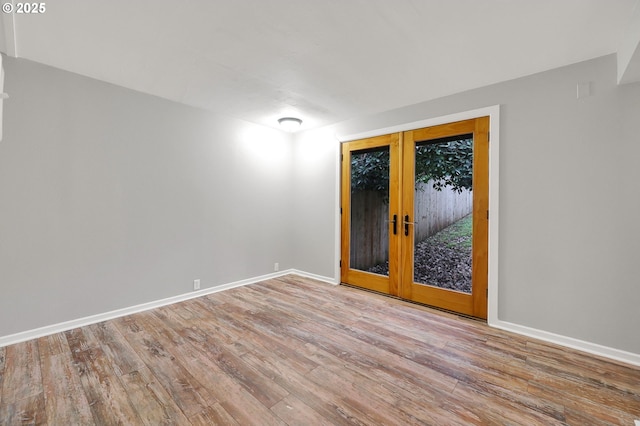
(395, 223)
(406, 224)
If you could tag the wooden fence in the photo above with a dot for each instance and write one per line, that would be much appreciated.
(369, 229)
(434, 211)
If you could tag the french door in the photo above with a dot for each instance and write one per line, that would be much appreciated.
(415, 215)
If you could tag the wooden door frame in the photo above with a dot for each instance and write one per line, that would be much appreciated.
(475, 303)
(383, 284)
(494, 194)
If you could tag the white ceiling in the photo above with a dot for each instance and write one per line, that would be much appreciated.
(321, 60)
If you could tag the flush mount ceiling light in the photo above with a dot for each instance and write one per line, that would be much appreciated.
(290, 124)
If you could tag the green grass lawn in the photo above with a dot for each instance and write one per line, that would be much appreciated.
(457, 234)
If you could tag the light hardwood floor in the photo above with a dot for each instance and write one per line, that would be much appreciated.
(292, 351)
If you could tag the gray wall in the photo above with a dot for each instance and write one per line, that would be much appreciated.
(569, 199)
(315, 201)
(110, 198)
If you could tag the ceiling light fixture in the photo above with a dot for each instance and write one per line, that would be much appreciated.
(290, 124)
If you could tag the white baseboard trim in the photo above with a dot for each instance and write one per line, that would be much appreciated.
(322, 278)
(93, 319)
(570, 342)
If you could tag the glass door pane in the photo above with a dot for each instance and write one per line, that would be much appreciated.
(443, 206)
(370, 210)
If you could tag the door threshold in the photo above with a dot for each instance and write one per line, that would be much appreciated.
(435, 308)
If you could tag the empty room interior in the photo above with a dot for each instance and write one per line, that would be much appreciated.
(448, 232)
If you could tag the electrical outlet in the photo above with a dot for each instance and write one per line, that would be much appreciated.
(196, 284)
(276, 266)
(583, 89)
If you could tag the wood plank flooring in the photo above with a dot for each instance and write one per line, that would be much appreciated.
(293, 351)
